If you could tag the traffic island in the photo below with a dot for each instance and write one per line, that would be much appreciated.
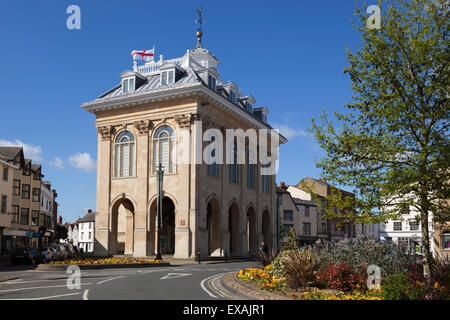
(108, 263)
(233, 283)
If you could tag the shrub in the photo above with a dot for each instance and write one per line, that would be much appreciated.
(399, 287)
(342, 277)
(389, 257)
(279, 263)
(266, 259)
(300, 267)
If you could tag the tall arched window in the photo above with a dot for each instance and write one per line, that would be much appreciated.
(233, 167)
(250, 169)
(163, 149)
(213, 168)
(124, 155)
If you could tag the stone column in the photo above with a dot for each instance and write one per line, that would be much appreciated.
(102, 246)
(141, 217)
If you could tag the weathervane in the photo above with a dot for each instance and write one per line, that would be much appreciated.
(199, 22)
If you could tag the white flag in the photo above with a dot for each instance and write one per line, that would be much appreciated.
(143, 55)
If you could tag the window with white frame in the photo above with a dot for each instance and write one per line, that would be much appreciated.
(211, 82)
(397, 226)
(167, 77)
(163, 149)
(413, 225)
(128, 85)
(124, 149)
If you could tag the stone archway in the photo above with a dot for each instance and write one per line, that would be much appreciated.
(122, 227)
(167, 226)
(252, 237)
(266, 235)
(233, 228)
(213, 227)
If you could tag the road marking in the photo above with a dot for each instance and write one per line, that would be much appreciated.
(42, 287)
(175, 275)
(85, 294)
(109, 279)
(50, 297)
(202, 285)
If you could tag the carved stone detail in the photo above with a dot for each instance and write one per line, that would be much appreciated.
(186, 120)
(143, 126)
(106, 132)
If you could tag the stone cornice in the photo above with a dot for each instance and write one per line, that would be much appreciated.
(165, 94)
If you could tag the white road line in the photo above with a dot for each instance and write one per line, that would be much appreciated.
(202, 284)
(50, 297)
(85, 294)
(103, 281)
(42, 287)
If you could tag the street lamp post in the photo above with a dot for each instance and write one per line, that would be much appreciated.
(159, 183)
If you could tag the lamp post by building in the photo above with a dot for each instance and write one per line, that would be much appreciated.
(159, 183)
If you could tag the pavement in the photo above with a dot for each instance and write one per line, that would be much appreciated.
(183, 280)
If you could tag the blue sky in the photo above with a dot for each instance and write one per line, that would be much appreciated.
(289, 55)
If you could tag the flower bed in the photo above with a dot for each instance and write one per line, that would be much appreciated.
(266, 280)
(92, 261)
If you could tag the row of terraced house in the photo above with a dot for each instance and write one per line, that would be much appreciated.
(28, 203)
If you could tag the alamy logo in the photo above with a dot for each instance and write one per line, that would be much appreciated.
(74, 20)
(374, 19)
(74, 279)
(237, 147)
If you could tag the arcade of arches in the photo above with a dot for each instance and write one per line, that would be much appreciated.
(234, 233)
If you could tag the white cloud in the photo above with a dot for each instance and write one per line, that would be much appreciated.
(290, 132)
(83, 161)
(30, 151)
(57, 163)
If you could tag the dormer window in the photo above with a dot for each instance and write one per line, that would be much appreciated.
(249, 107)
(232, 96)
(128, 85)
(168, 77)
(211, 82)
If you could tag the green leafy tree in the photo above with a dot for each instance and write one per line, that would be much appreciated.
(60, 232)
(391, 143)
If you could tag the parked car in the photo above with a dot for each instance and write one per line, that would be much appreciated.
(26, 255)
(59, 254)
(49, 253)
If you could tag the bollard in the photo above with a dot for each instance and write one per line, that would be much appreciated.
(198, 256)
(226, 255)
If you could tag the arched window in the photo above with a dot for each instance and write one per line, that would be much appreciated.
(163, 148)
(233, 167)
(124, 155)
(250, 169)
(213, 168)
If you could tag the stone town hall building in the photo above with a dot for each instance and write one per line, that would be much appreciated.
(215, 209)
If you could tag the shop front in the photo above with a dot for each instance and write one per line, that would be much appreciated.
(18, 238)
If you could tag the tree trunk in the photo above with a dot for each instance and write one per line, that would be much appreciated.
(427, 270)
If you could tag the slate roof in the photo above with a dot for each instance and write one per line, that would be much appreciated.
(9, 152)
(153, 83)
(90, 217)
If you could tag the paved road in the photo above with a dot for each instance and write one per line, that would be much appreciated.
(189, 282)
